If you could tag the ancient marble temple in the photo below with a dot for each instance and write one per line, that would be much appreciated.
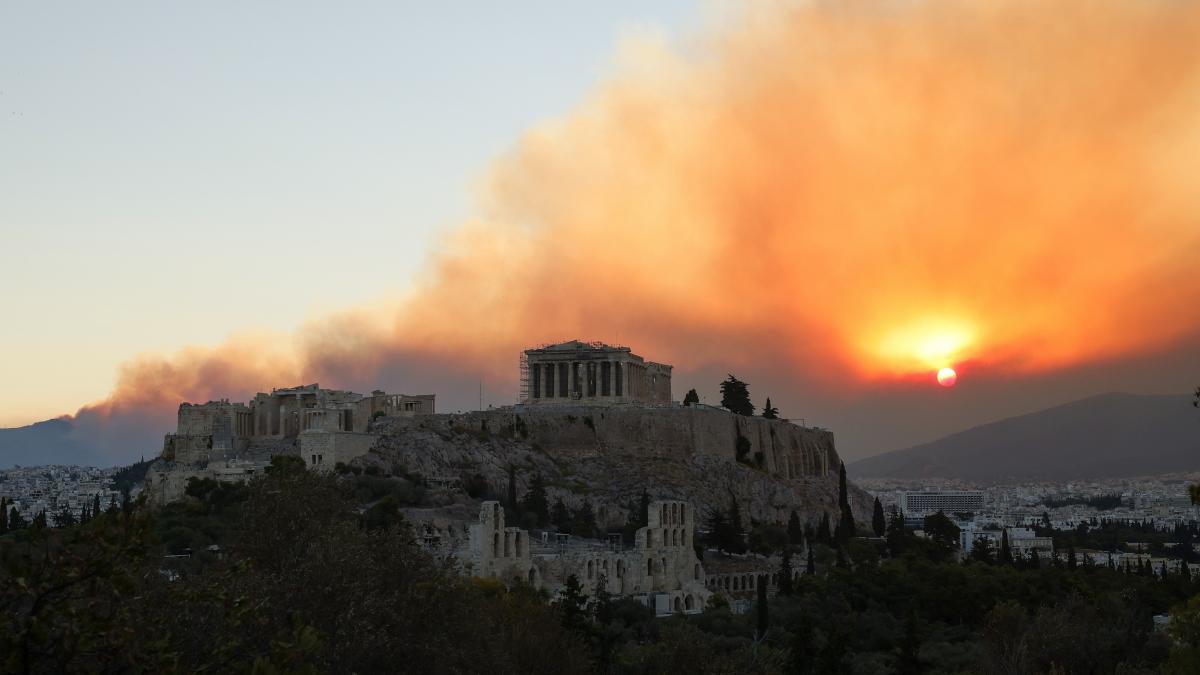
(591, 373)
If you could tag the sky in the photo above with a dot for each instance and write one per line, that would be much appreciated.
(172, 173)
(831, 200)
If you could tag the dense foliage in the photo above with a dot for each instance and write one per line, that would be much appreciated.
(314, 573)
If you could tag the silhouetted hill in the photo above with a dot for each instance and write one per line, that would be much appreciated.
(1104, 436)
(49, 442)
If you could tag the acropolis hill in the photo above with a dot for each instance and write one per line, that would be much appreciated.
(597, 422)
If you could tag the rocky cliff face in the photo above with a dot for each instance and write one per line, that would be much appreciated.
(608, 456)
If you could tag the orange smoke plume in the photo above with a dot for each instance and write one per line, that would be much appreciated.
(871, 187)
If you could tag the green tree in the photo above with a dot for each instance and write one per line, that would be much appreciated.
(810, 567)
(15, 520)
(795, 529)
(769, 411)
(511, 501)
(735, 396)
(572, 603)
(846, 527)
(762, 613)
(1005, 557)
(824, 535)
(691, 397)
(584, 524)
(4, 515)
(536, 501)
(878, 520)
(909, 659)
(560, 516)
(784, 587)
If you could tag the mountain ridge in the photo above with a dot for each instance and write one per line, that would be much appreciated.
(1109, 435)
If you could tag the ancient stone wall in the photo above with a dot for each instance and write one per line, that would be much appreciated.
(661, 565)
(779, 447)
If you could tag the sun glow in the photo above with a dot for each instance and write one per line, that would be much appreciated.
(924, 345)
(947, 377)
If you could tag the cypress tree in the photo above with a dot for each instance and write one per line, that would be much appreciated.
(512, 488)
(15, 520)
(761, 606)
(823, 534)
(878, 520)
(795, 529)
(560, 516)
(691, 397)
(811, 567)
(536, 502)
(785, 573)
(1072, 563)
(845, 527)
(1035, 561)
(4, 515)
(842, 561)
(770, 412)
(96, 506)
(1005, 552)
(736, 537)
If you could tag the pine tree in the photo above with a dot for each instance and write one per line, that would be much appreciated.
(761, 606)
(572, 602)
(736, 537)
(691, 397)
(878, 520)
(1035, 561)
(810, 568)
(785, 573)
(39, 520)
(735, 396)
(1072, 563)
(770, 412)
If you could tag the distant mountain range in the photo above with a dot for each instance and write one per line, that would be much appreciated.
(49, 442)
(1105, 436)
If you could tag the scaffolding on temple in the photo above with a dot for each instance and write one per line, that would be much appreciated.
(523, 366)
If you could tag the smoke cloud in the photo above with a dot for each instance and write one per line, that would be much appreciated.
(852, 193)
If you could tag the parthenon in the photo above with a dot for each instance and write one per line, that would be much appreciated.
(591, 373)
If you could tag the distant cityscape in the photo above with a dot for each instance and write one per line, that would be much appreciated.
(58, 489)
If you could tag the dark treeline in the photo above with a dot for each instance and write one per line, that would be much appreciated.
(320, 574)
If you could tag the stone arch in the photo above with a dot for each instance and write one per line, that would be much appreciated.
(688, 604)
(735, 583)
(589, 569)
(649, 538)
(496, 545)
(620, 569)
(496, 515)
(678, 604)
(674, 512)
(649, 566)
(532, 575)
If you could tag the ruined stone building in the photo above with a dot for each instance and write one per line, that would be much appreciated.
(591, 373)
(234, 441)
(661, 568)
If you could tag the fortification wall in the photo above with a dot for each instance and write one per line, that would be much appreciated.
(779, 447)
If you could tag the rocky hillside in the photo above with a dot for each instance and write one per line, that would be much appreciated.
(609, 456)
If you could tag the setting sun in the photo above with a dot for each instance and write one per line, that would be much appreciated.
(947, 377)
